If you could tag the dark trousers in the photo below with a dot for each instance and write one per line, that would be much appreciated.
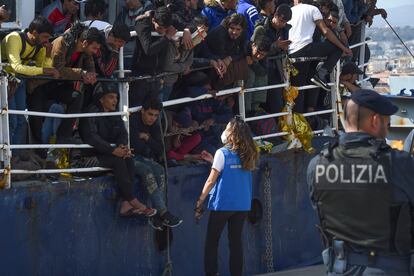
(309, 99)
(141, 90)
(356, 38)
(216, 223)
(61, 92)
(123, 170)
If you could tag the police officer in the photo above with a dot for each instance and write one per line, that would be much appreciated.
(363, 192)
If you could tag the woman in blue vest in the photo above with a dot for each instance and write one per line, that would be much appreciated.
(229, 186)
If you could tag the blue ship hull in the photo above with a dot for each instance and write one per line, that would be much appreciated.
(73, 228)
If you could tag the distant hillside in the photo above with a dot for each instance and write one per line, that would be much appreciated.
(400, 16)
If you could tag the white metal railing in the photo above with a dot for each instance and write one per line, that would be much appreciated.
(5, 146)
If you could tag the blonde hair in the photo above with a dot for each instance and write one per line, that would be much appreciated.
(240, 140)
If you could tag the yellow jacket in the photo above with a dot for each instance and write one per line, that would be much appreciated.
(11, 47)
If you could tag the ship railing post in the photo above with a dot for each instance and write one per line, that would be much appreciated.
(289, 118)
(334, 92)
(362, 51)
(5, 130)
(123, 91)
(242, 106)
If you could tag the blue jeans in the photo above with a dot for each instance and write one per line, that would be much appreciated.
(51, 125)
(17, 122)
(153, 177)
(165, 92)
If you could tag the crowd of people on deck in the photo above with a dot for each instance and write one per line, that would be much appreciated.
(199, 48)
(56, 64)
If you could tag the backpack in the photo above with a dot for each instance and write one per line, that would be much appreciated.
(23, 37)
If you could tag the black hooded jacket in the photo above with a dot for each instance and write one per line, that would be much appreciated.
(101, 132)
(149, 53)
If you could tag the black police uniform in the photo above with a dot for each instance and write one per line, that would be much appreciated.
(364, 193)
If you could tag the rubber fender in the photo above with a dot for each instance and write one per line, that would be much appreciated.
(255, 215)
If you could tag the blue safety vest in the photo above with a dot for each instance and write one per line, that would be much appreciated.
(233, 188)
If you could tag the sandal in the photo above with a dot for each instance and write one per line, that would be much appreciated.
(148, 212)
(133, 212)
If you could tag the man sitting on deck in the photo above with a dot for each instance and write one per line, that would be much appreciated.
(146, 140)
(102, 133)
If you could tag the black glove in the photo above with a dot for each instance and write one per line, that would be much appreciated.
(199, 210)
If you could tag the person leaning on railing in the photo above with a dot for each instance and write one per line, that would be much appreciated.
(227, 43)
(100, 133)
(29, 54)
(257, 72)
(305, 19)
(72, 56)
(107, 57)
(149, 53)
(275, 27)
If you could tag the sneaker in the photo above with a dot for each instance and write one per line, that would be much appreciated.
(156, 223)
(170, 220)
(321, 83)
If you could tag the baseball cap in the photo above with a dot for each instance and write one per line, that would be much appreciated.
(351, 68)
(374, 101)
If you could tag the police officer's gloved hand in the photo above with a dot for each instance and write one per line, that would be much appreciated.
(199, 210)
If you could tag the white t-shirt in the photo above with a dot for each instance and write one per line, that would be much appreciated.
(218, 161)
(100, 25)
(303, 24)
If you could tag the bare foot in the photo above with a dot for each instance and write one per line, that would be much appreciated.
(125, 207)
(135, 203)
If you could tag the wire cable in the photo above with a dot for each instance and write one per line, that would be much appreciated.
(402, 42)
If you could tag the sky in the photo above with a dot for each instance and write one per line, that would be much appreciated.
(393, 3)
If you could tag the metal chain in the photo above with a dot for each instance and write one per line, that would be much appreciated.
(267, 191)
